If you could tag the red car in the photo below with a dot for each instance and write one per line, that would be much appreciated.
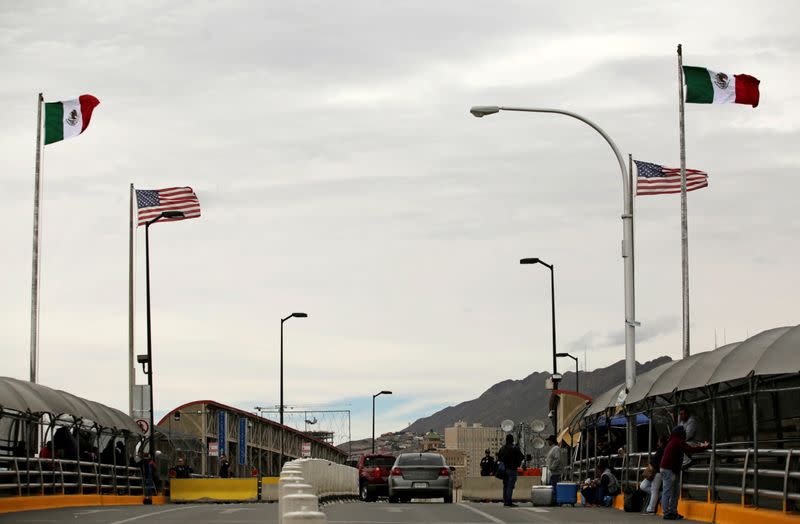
(373, 476)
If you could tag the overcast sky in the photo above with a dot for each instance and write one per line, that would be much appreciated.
(341, 174)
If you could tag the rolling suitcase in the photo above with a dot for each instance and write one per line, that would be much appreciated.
(542, 495)
(566, 493)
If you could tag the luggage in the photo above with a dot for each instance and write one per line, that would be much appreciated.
(542, 495)
(634, 500)
(566, 493)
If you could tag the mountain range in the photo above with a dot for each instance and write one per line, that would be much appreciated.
(526, 399)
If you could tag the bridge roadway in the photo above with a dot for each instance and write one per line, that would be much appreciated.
(339, 513)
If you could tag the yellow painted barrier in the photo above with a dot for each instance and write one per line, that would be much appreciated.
(227, 490)
(13, 504)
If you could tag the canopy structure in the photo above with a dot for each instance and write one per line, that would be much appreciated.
(26, 397)
(769, 353)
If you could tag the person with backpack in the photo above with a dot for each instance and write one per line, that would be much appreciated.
(510, 457)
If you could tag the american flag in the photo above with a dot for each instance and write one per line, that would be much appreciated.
(153, 202)
(653, 179)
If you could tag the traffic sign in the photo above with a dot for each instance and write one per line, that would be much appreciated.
(306, 449)
(213, 449)
(143, 425)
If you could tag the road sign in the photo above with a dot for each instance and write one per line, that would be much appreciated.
(143, 425)
(306, 449)
(242, 441)
(213, 450)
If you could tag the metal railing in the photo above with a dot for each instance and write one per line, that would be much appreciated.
(768, 478)
(20, 476)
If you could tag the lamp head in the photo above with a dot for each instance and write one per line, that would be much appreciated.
(172, 214)
(300, 315)
(386, 392)
(529, 261)
(482, 111)
(563, 355)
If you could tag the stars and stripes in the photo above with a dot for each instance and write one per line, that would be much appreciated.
(153, 202)
(653, 179)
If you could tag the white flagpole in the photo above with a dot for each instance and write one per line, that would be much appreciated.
(131, 302)
(37, 242)
(684, 221)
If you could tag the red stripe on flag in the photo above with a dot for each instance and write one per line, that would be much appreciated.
(88, 103)
(747, 90)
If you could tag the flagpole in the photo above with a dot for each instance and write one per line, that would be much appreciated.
(684, 222)
(131, 304)
(37, 242)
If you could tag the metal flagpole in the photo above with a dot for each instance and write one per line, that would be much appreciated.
(684, 224)
(37, 242)
(131, 304)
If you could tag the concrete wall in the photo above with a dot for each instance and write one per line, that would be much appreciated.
(490, 488)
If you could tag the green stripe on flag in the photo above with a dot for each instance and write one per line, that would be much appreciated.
(53, 122)
(698, 85)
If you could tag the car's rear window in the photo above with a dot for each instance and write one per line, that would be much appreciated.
(422, 459)
(372, 462)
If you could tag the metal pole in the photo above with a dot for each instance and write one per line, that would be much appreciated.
(684, 221)
(280, 408)
(37, 243)
(627, 241)
(131, 305)
(553, 315)
(349, 436)
(373, 423)
(149, 339)
(754, 395)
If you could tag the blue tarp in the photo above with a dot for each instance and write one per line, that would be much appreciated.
(619, 421)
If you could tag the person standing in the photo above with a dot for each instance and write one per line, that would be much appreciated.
(487, 464)
(511, 457)
(670, 465)
(655, 484)
(224, 467)
(555, 467)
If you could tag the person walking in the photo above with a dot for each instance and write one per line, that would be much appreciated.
(487, 464)
(555, 467)
(670, 466)
(511, 458)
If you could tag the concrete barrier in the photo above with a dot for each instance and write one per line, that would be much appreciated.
(329, 480)
(214, 490)
(490, 488)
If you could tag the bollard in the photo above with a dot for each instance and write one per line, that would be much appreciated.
(303, 502)
(290, 487)
(307, 517)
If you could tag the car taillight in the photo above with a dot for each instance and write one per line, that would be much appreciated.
(396, 472)
(376, 473)
(444, 472)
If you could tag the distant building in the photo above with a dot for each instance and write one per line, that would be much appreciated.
(432, 441)
(458, 459)
(474, 440)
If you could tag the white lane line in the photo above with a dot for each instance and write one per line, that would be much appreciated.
(234, 510)
(537, 510)
(92, 511)
(482, 514)
(151, 514)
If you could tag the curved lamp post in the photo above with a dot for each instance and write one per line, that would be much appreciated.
(552, 309)
(280, 408)
(567, 355)
(627, 230)
(373, 415)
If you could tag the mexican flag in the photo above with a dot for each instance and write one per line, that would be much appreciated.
(704, 86)
(67, 119)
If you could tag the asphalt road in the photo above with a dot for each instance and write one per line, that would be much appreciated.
(342, 513)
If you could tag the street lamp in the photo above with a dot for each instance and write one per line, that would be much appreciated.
(627, 231)
(552, 309)
(165, 214)
(280, 408)
(567, 355)
(373, 415)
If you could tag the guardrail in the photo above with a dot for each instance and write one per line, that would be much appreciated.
(767, 478)
(21, 476)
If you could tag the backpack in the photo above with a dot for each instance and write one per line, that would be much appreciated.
(501, 471)
(633, 500)
(613, 485)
